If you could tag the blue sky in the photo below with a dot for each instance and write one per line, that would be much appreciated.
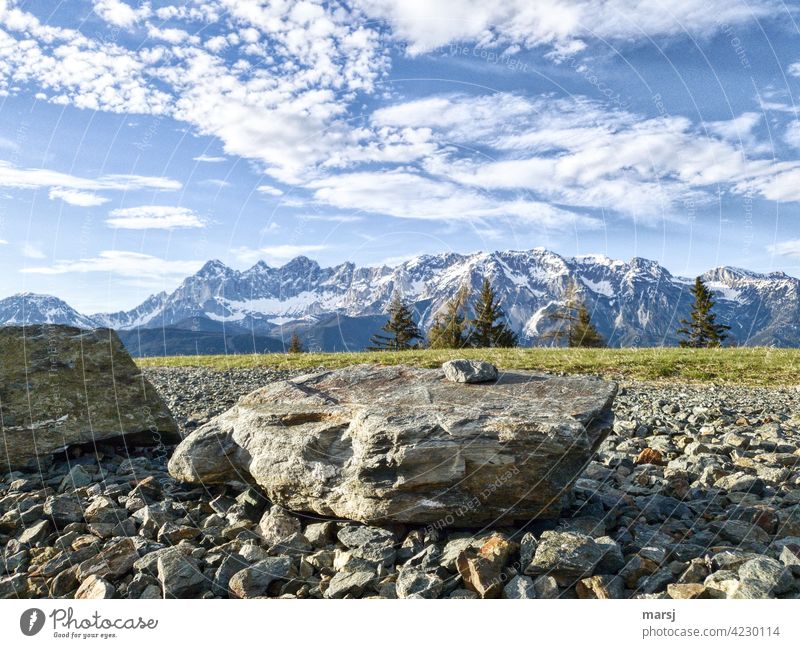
(140, 139)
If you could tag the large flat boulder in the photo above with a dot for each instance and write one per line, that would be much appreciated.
(61, 386)
(402, 444)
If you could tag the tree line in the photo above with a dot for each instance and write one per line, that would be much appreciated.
(457, 326)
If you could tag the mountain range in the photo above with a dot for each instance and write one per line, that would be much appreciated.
(632, 303)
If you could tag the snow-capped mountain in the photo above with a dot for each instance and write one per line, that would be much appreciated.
(634, 303)
(30, 308)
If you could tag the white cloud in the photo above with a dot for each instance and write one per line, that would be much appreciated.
(20, 178)
(3, 242)
(792, 134)
(118, 13)
(563, 24)
(786, 248)
(32, 251)
(154, 217)
(408, 195)
(269, 190)
(77, 198)
(122, 263)
(209, 158)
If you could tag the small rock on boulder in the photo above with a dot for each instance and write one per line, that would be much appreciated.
(469, 371)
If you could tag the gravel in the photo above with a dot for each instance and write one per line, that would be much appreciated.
(695, 494)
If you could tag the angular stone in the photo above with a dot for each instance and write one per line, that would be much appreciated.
(566, 556)
(63, 509)
(402, 444)
(255, 581)
(763, 577)
(35, 532)
(519, 587)
(469, 371)
(600, 587)
(95, 587)
(479, 574)
(276, 525)
(687, 591)
(419, 584)
(63, 386)
(546, 587)
(352, 584)
(114, 561)
(180, 576)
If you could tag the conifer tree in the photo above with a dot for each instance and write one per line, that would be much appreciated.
(701, 330)
(487, 331)
(575, 328)
(583, 333)
(402, 331)
(295, 345)
(449, 329)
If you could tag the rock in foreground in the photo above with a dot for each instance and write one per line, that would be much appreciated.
(61, 386)
(401, 444)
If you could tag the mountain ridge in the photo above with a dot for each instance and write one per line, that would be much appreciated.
(633, 303)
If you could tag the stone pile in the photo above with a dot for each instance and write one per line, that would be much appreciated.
(694, 494)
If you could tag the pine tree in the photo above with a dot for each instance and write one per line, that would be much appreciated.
(486, 330)
(403, 332)
(583, 333)
(449, 329)
(575, 328)
(295, 345)
(702, 330)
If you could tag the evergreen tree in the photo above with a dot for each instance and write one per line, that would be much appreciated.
(402, 331)
(487, 331)
(295, 345)
(702, 330)
(583, 333)
(449, 329)
(575, 327)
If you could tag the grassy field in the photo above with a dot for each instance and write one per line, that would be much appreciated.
(744, 366)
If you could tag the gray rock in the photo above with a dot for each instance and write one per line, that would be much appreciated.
(81, 386)
(417, 582)
(546, 587)
(180, 576)
(401, 444)
(351, 584)
(63, 509)
(255, 581)
(469, 371)
(95, 587)
(35, 532)
(566, 556)
(763, 577)
(277, 525)
(519, 587)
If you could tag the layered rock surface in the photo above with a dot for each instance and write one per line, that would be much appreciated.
(61, 386)
(402, 444)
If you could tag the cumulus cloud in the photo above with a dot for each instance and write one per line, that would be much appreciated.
(77, 198)
(154, 217)
(118, 13)
(559, 24)
(122, 263)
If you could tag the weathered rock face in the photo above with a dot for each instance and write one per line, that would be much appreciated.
(61, 386)
(401, 444)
